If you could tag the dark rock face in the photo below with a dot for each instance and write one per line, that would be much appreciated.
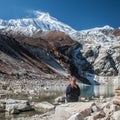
(21, 56)
(55, 53)
(116, 32)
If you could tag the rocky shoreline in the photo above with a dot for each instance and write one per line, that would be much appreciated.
(31, 100)
(95, 109)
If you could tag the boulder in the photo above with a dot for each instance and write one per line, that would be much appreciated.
(89, 118)
(105, 105)
(2, 107)
(117, 91)
(107, 111)
(98, 115)
(17, 106)
(60, 99)
(77, 116)
(114, 107)
(43, 106)
(116, 115)
(95, 108)
(117, 88)
(65, 111)
(116, 101)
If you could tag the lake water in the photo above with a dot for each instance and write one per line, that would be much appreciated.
(86, 91)
(50, 92)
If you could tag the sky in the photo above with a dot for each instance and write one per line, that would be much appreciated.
(79, 14)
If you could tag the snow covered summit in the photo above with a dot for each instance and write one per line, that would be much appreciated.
(43, 21)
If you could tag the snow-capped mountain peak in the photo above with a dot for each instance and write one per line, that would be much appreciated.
(99, 35)
(45, 22)
(42, 21)
(107, 27)
(45, 16)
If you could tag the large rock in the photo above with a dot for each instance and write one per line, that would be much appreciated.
(43, 106)
(77, 116)
(65, 111)
(95, 108)
(116, 101)
(89, 118)
(114, 107)
(2, 107)
(116, 115)
(17, 106)
(60, 99)
(98, 115)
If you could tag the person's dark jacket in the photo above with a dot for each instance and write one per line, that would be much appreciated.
(72, 93)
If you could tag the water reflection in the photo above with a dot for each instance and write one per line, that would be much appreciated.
(97, 90)
(86, 91)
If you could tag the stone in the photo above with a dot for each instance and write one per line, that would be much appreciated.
(43, 106)
(117, 91)
(117, 94)
(105, 105)
(2, 107)
(77, 116)
(60, 99)
(17, 106)
(5, 86)
(117, 97)
(89, 118)
(32, 92)
(95, 108)
(2, 95)
(98, 115)
(117, 88)
(116, 101)
(17, 91)
(116, 115)
(107, 111)
(65, 111)
(114, 107)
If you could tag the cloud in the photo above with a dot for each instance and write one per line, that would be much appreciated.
(39, 13)
(36, 13)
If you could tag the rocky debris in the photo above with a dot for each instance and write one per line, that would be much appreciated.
(95, 108)
(15, 106)
(43, 107)
(2, 106)
(116, 115)
(87, 111)
(98, 115)
(46, 116)
(117, 96)
(70, 111)
(89, 118)
(60, 99)
(65, 111)
(77, 116)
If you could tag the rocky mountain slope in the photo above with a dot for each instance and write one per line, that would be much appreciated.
(35, 47)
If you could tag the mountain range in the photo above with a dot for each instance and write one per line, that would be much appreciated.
(40, 46)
